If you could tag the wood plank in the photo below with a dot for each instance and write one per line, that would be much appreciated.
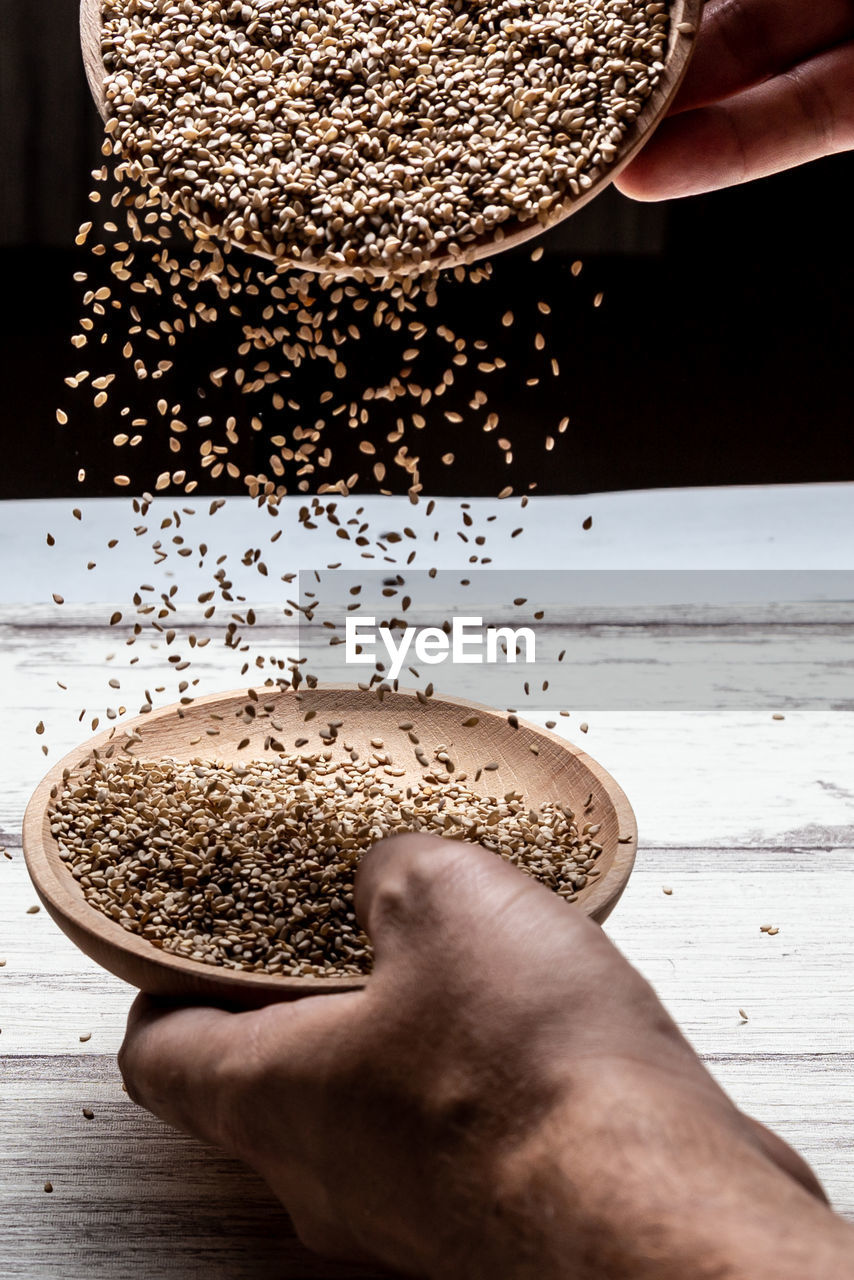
(744, 527)
(701, 948)
(809, 1101)
(785, 783)
(181, 1209)
(748, 820)
(130, 1197)
(610, 670)
(706, 779)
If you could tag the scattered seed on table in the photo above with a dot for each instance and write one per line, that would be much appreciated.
(33, 911)
(84, 1036)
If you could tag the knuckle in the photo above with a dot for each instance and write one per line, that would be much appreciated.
(321, 1237)
(235, 1086)
(127, 1070)
(824, 92)
(742, 27)
(815, 104)
(419, 873)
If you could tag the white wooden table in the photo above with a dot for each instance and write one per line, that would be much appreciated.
(748, 819)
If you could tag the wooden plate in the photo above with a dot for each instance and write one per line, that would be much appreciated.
(684, 14)
(560, 772)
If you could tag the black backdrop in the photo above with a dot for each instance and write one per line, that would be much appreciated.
(721, 353)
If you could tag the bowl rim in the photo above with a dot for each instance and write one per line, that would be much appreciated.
(65, 902)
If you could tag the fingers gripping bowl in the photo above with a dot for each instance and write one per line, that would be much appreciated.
(396, 740)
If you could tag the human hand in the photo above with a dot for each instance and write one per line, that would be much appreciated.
(505, 1098)
(770, 86)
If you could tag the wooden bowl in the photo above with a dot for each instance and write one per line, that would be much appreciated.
(684, 14)
(559, 772)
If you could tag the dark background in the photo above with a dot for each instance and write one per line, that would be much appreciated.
(721, 353)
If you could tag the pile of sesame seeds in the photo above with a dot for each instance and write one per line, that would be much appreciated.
(251, 866)
(374, 135)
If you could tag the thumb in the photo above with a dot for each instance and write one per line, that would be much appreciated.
(417, 893)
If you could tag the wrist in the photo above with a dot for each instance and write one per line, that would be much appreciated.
(651, 1183)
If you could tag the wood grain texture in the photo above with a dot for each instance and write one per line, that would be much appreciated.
(675, 783)
(90, 48)
(701, 948)
(131, 1197)
(685, 14)
(124, 1177)
(803, 527)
